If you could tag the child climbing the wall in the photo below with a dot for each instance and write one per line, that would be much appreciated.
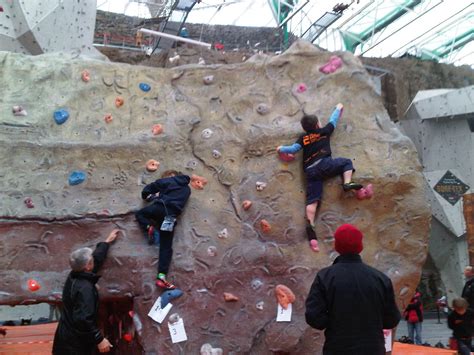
(168, 196)
(318, 165)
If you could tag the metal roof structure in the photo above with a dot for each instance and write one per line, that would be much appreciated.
(439, 30)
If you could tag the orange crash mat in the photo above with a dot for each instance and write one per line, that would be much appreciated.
(410, 349)
(28, 339)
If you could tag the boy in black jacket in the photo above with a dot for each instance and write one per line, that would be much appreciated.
(460, 321)
(168, 196)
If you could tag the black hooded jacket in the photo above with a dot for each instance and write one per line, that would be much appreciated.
(174, 192)
(353, 302)
(77, 331)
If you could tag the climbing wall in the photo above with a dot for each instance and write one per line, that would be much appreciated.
(77, 137)
(42, 26)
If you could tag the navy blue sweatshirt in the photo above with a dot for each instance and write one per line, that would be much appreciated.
(174, 192)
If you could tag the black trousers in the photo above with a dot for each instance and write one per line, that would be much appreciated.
(154, 214)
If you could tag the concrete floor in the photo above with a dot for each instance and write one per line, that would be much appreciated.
(431, 332)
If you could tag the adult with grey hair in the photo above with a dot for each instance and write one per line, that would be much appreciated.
(77, 331)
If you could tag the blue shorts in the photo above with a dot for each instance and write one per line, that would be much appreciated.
(325, 169)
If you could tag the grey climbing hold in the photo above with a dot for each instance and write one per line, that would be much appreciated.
(262, 109)
(208, 80)
(19, 111)
(256, 284)
(216, 154)
(191, 165)
(207, 133)
(212, 251)
(61, 116)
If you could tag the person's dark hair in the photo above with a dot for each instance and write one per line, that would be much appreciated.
(309, 122)
(169, 173)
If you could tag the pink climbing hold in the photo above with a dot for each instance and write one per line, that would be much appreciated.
(313, 244)
(330, 67)
(230, 297)
(198, 182)
(246, 204)
(85, 76)
(152, 165)
(286, 157)
(301, 88)
(1, 9)
(131, 313)
(29, 202)
(119, 101)
(108, 118)
(365, 192)
(284, 296)
(33, 285)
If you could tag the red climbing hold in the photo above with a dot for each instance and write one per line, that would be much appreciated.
(265, 226)
(127, 337)
(286, 157)
(29, 202)
(284, 295)
(33, 285)
(157, 129)
(246, 204)
(230, 297)
(218, 46)
(119, 101)
(330, 67)
(365, 192)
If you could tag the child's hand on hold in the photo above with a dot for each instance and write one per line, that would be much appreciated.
(278, 148)
(339, 106)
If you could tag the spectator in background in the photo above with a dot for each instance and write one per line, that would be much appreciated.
(414, 316)
(468, 290)
(460, 321)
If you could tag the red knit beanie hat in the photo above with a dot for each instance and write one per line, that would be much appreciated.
(348, 240)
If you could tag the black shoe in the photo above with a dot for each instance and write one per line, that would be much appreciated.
(352, 186)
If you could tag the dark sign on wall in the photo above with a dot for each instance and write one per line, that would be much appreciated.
(451, 188)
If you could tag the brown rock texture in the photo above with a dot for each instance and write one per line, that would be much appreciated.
(216, 132)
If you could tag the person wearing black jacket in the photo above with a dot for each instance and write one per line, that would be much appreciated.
(77, 331)
(460, 320)
(168, 196)
(351, 301)
(468, 290)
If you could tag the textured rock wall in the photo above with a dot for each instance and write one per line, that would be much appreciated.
(38, 156)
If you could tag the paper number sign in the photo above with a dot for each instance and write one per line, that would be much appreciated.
(177, 331)
(157, 313)
(284, 315)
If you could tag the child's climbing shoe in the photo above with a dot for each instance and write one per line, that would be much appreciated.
(165, 284)
(313, 244)
(352, 186)
(151, 235)
(310, 233)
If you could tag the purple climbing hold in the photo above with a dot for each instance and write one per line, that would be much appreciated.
(168, 295)
(77, 177)
(61, 116)
(144, 87)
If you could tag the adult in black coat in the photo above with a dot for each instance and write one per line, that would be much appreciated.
(468, 290)
(77, 331)
(352, 301)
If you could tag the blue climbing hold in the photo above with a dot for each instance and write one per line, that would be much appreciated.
(61, 116)
(77, 177)
(168, 295)
(144, 87)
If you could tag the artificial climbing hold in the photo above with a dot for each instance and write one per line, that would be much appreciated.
(212, 251)
(108, 118)
(85, 76)
(223, 234)
(127, 337)
(61, 116)
(19, 111)
(301, 88)
(260, 185)
(157, 129)
(152, 165)
(207, 133)
(284, 296)
(33, 285)
(208, 80)
(259, 305)
(286, 157)
(256, 284)
(230, 297)
(119, 101)
(198, 182)
(168, 295)
(174, 318)
(246, 204)
(77, 177)
(365, 192)
(216, 154)
(207, 349)
(201, 61)
(144, 87)
(265, 226)
(29, 202)
(262, 109)
(332, 65)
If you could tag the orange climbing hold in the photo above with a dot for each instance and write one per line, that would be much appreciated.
(157, 129)
(230, 297)
(198, 182)
(108, 118)
(265, 226)
(246, 204)
(284, 295)
(119, 101)
(85, 76)
(33, 285)
(152, 165)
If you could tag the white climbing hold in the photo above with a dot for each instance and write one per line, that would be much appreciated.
(262, 109)
(207, 133)
(223, 234)
(174, 59)
(201, 61)
(208, 80)
(212, 251)
(207, 349)
(216, 154)
(19, 111)
(260, 305)
(260, 185)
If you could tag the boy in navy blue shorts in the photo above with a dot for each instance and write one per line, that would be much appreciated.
(318, 165)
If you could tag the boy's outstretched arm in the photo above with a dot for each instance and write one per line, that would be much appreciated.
(291, 149)
(336, 114)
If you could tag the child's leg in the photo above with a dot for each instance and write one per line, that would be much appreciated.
(166, 251)
(311, 213)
